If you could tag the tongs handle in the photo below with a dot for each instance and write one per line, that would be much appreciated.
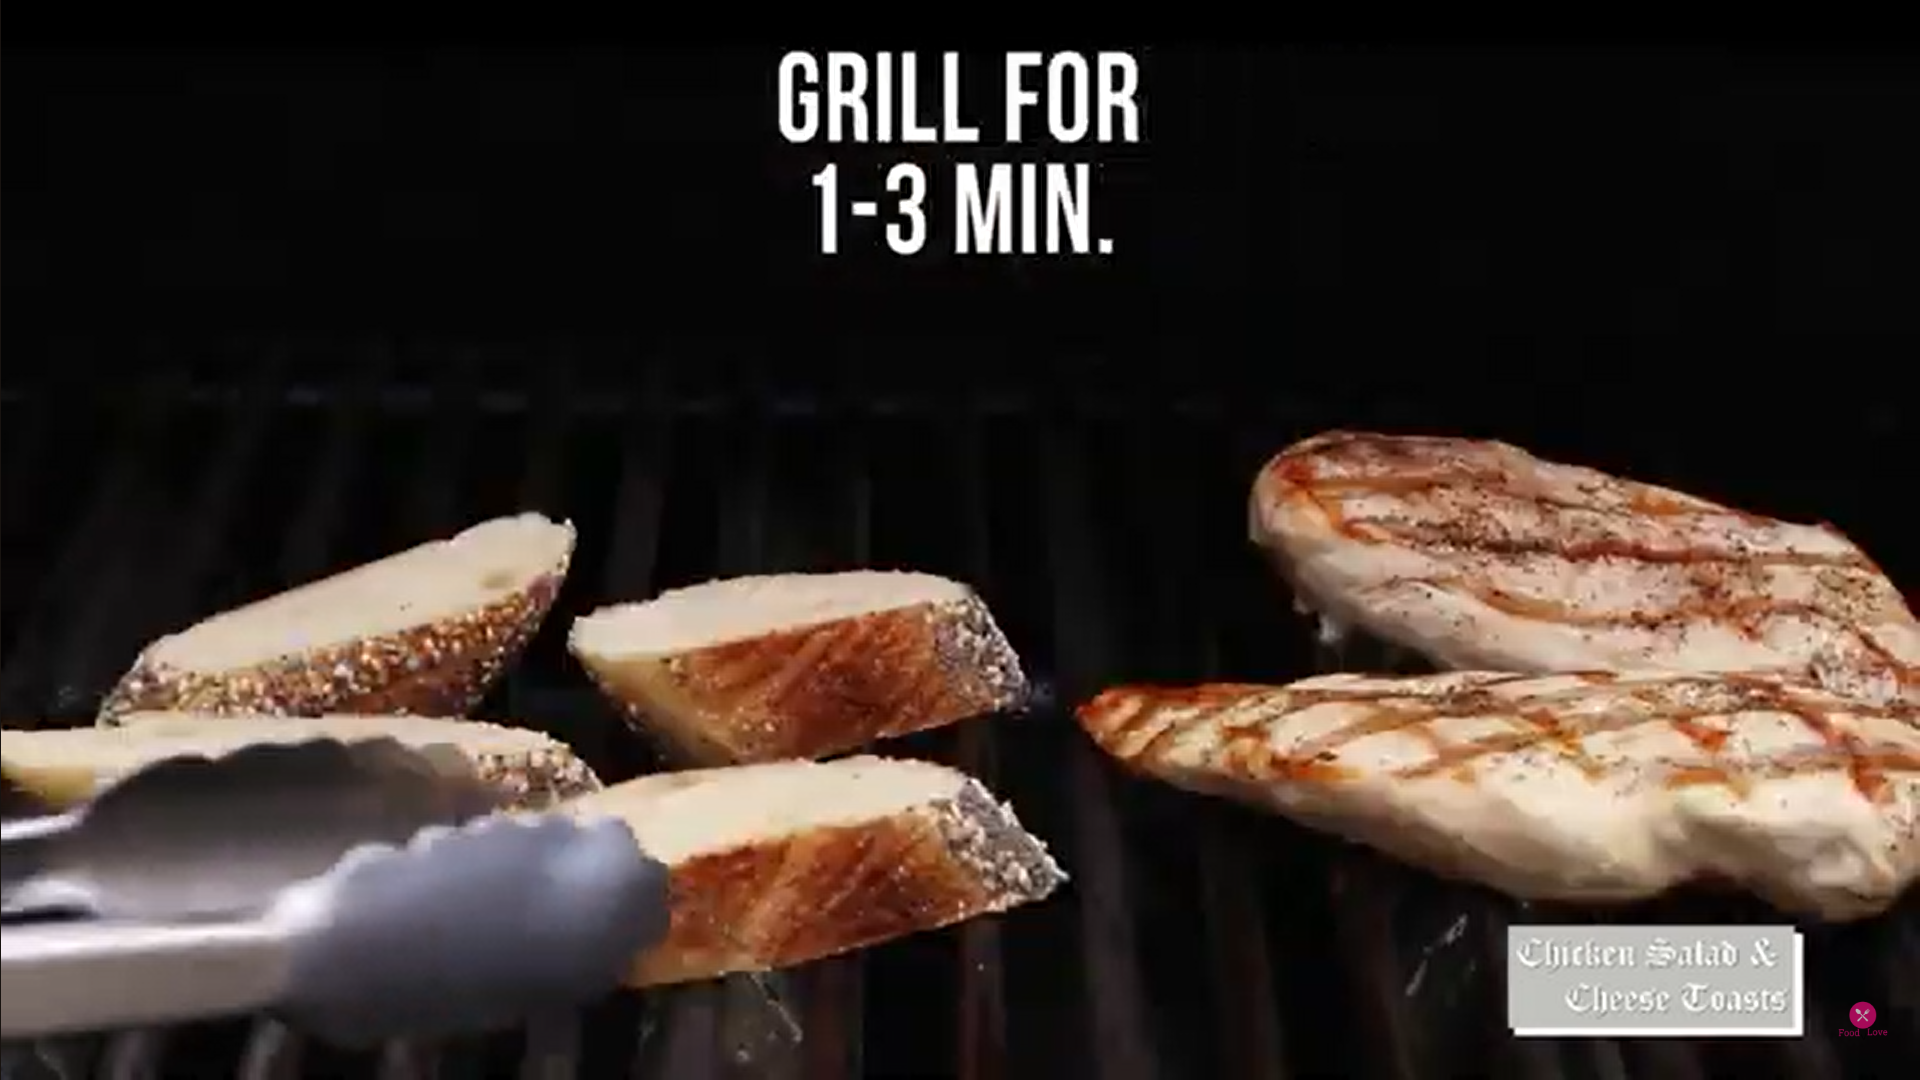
(26, 847)
(469, 928)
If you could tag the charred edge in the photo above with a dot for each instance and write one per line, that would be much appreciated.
(974, 654)
(983, 836)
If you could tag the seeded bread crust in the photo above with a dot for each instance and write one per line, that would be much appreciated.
(819, 690)
(532, 779)
(439, 669)
(795, 899)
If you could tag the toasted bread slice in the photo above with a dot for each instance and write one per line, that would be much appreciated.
(779, 864)
(800, 665)
(425, 631)
(66, 766)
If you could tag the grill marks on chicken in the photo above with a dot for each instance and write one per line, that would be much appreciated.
(1479, 555)
(1648, 688)
(1576, 787)
(1593, 722)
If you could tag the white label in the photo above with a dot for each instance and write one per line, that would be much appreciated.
(1653, 981)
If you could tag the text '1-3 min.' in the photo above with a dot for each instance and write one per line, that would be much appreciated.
(1006, 207)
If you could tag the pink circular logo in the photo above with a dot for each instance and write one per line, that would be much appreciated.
(1862, 1015)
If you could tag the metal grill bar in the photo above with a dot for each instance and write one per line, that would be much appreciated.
(273, 1053)
(1660, 1057)
(172, 590)
(134, 1055)
(983, 1005)
(55, 633)
(741, 524)
(319, 519)
(431, 504)
(1363, 892)
(1081, 629)
(553, 1049)
(1531, 1059)
(836, 988)
(1903, 959)
(1183, 598)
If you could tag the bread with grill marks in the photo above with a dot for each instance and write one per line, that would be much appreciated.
(785, 666)
(424, 631)
(779, 864)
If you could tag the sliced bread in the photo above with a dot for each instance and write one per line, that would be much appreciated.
(779, 864)
(66, 766)
(782, 666)
(426, 631)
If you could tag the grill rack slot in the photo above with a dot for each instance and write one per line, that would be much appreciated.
(1105, 532)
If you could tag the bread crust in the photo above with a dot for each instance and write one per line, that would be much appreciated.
(533, 779)
(438, 669)
(819, 690)
(794, 899)
(536, 779)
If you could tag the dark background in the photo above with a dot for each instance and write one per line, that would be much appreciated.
(268, 312)
(1697, 263)
(1582, 210)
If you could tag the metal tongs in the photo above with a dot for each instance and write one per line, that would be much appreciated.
(363, 891)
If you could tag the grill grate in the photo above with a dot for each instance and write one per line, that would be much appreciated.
(1106, 531)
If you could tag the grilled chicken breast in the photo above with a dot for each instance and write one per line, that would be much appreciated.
(1478, 555)
(1596, 787)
